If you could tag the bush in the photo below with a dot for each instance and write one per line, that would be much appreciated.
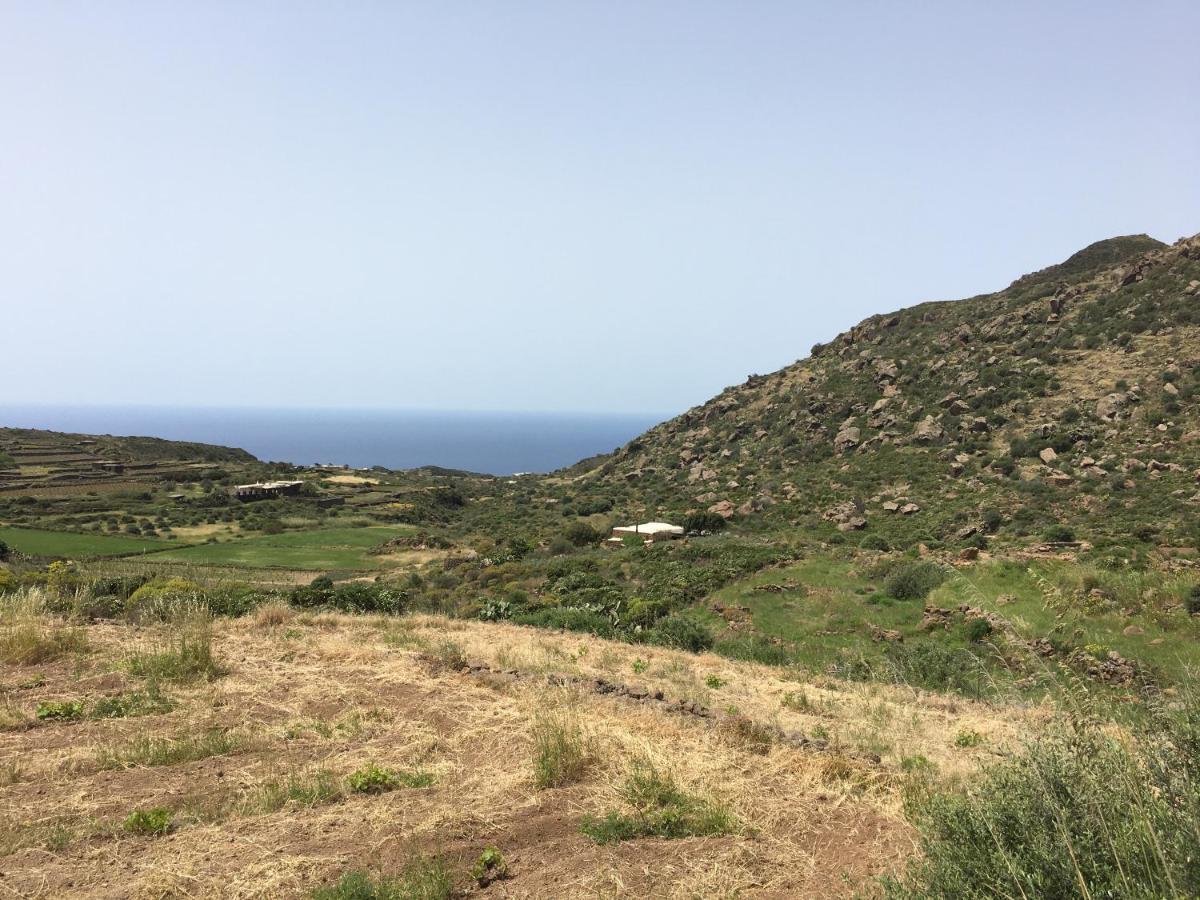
(1192, 602)
(156, 597)
(874, 542)
(581, 534)
(681, 631)
(913, 581)
(704, 521)
(1058, 534)
(1082, 812)
(372, 779)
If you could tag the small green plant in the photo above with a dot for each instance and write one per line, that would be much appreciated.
(968, 738)
(149, 701)
(714, 682)
(373, 779)
(640, 666)
(60, 710)
(913, 581)
(491, 866)
(562, 753)
(660, 809)
(303, 790)
(154, 821)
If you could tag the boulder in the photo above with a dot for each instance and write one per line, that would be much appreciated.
(848, 437)
(928, 430)
(1047, 455)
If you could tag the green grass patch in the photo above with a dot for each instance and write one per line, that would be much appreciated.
(39, 542)
(325, 549)
(374, 779)
(422, 880)
(659, 809)
(146, 750)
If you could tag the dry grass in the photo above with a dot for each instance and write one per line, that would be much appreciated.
(331, 694)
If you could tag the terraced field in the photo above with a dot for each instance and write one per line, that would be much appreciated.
(38, 542)
(328, 548)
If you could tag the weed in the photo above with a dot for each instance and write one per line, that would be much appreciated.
(164, 751)
(714, 682)
(422, 880)
(797, 701)
(968, 738)
(303, 790)
(491, 866)
(373, 779)
(149, 701)
(60, 710)
(184, 655)
(660, 810)
(562, 753)
(157, 820)
(639, 666)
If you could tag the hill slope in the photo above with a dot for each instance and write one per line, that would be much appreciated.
(1075, 385)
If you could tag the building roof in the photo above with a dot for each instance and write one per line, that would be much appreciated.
(648, 528)
(268, 485)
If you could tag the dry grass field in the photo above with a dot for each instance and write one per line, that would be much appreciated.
(202, 759)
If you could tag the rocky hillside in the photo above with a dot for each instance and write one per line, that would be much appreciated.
(1068, 396)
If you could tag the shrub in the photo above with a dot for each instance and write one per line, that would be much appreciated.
(158, 597)
(562, 752)
(1081, 812)
(913, 581)
(704, 521)
(681, 631)
(1192, 602)
(874, 542)
(372, 779)
(154, 821)
(1058, 534)
(977, 629)
(581, 534)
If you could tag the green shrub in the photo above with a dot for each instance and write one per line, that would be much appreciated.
(874, 542)
(156, 598)
(1081, 812)
(977, 629)
(681, 631)
(147, 702)
(1058, 534)
(704, 521)
(154, 821)
(581, 534)
(1192, 602)
(913, 581)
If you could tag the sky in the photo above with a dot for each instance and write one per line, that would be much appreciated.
(560, 206)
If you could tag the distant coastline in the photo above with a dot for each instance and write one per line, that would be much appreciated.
(490, 443)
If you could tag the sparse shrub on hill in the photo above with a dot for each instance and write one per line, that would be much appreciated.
(681, 631)
(913, 581)
(354, 597)
(581, 534)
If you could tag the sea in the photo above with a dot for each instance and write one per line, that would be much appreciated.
(494, 443)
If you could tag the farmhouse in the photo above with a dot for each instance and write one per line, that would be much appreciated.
(650, 532)
(264, 490)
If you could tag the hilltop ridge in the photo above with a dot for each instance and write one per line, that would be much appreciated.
(1076, 382)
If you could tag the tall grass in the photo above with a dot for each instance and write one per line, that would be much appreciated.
(30, 634)
(562, 752)
(182, 651)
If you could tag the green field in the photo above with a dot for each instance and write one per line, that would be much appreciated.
(37, 542)
(330, 548)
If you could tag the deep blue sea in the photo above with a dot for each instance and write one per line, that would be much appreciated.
(494, 443)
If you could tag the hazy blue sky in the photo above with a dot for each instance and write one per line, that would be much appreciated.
(549, 206)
